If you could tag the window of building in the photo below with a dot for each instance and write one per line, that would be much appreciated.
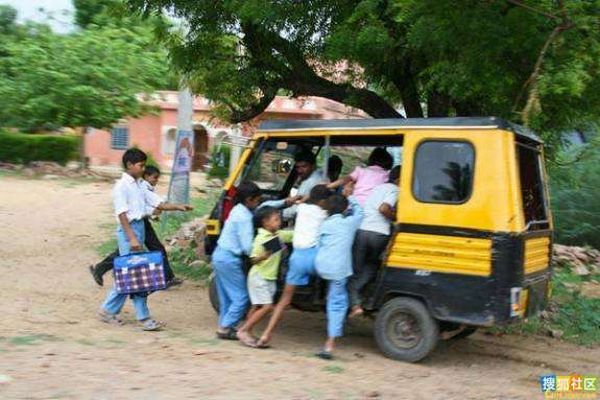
(170, 141)
(119, 138)
(443, 172)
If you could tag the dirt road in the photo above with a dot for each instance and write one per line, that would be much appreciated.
(52, 347)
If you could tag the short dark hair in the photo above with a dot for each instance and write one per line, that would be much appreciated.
(379, 156)
(318, 193)
(305, 156)
(133, 156)
(264, 213)
(395, 174)
(336, 204)
(334, 163)
(151, 170)
(246, 190)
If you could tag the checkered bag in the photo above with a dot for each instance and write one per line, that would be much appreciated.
(139, 272)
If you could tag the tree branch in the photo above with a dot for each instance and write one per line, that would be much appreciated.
(296, 75)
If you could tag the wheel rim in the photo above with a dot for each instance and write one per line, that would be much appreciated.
(403, 330)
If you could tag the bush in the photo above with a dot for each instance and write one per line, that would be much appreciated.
(574, 195)
(219, 161)
(21, 148)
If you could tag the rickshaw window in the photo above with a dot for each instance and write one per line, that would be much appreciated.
(443, 171)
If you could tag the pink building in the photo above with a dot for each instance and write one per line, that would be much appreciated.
(156, 133)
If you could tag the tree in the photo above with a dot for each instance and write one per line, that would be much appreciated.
(89, 78)
(534, 61)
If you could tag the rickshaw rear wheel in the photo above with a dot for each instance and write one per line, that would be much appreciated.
(213, 295)
(405, 330)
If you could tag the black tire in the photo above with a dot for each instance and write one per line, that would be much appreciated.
(405, 330)
(212, 293)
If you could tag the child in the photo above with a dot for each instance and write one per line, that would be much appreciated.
(372, 237)
(334, 263)
(366, 179)
(131, 202)
(262, 279)
(309, 217)
(151, 176)
(235, 241)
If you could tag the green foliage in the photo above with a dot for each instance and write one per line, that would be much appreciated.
(219, 161)
(436, 57)
(22, 148)
(91, 77)
(577, 316)
(574, 195)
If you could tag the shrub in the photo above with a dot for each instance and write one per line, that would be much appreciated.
(574, 195)
(219, 161)
(21, 148)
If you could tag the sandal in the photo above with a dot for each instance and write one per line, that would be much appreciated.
(324, 354)
(247, 340)
(231, 334)
(111, 319)
(152, 325)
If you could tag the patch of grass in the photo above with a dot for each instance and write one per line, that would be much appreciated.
(180, 263)
(205, 341)
(85, 342)
(577, 316)
(29, 340)
(333, 369)
(107, 247)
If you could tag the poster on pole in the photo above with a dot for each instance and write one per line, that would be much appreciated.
(179, 186)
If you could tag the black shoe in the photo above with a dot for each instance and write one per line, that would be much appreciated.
(97, 278)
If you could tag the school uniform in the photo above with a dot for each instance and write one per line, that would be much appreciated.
(131, 198)
(262, 279)
(334, 263)
(235, 241)
(306, 235)
(371, 239)
(152, 243)
(316, 178)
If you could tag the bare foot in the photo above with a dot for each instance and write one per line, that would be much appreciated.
(264, 341)
(246, 339)
(356, 311)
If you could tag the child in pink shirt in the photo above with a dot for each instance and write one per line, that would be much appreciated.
(365, 179)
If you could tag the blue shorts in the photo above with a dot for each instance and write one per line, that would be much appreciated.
(302, 266)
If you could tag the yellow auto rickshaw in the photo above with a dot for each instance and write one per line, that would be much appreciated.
(471, 243)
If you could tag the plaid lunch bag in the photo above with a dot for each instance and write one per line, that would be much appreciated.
(139, 272)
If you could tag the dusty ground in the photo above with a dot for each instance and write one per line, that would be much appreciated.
(51, 345)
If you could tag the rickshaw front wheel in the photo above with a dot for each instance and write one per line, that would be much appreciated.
(405, 330)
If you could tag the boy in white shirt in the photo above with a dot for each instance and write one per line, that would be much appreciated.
(309, 217)
(372, 237)
(131, 201)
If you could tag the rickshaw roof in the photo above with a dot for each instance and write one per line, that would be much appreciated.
(391, 123)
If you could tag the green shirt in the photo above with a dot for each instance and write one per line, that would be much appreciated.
(268, 268)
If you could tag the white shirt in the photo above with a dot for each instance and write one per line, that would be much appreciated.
(156, 197)
(304, 190)
(130, 196)
(308, 221)
(374, 221)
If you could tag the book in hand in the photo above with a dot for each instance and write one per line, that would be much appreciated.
(273, 245)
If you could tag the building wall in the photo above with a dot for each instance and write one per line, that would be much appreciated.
(155, 134)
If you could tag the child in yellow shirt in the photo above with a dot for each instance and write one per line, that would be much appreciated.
(262, 279)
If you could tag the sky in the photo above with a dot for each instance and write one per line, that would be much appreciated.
(61, 11)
